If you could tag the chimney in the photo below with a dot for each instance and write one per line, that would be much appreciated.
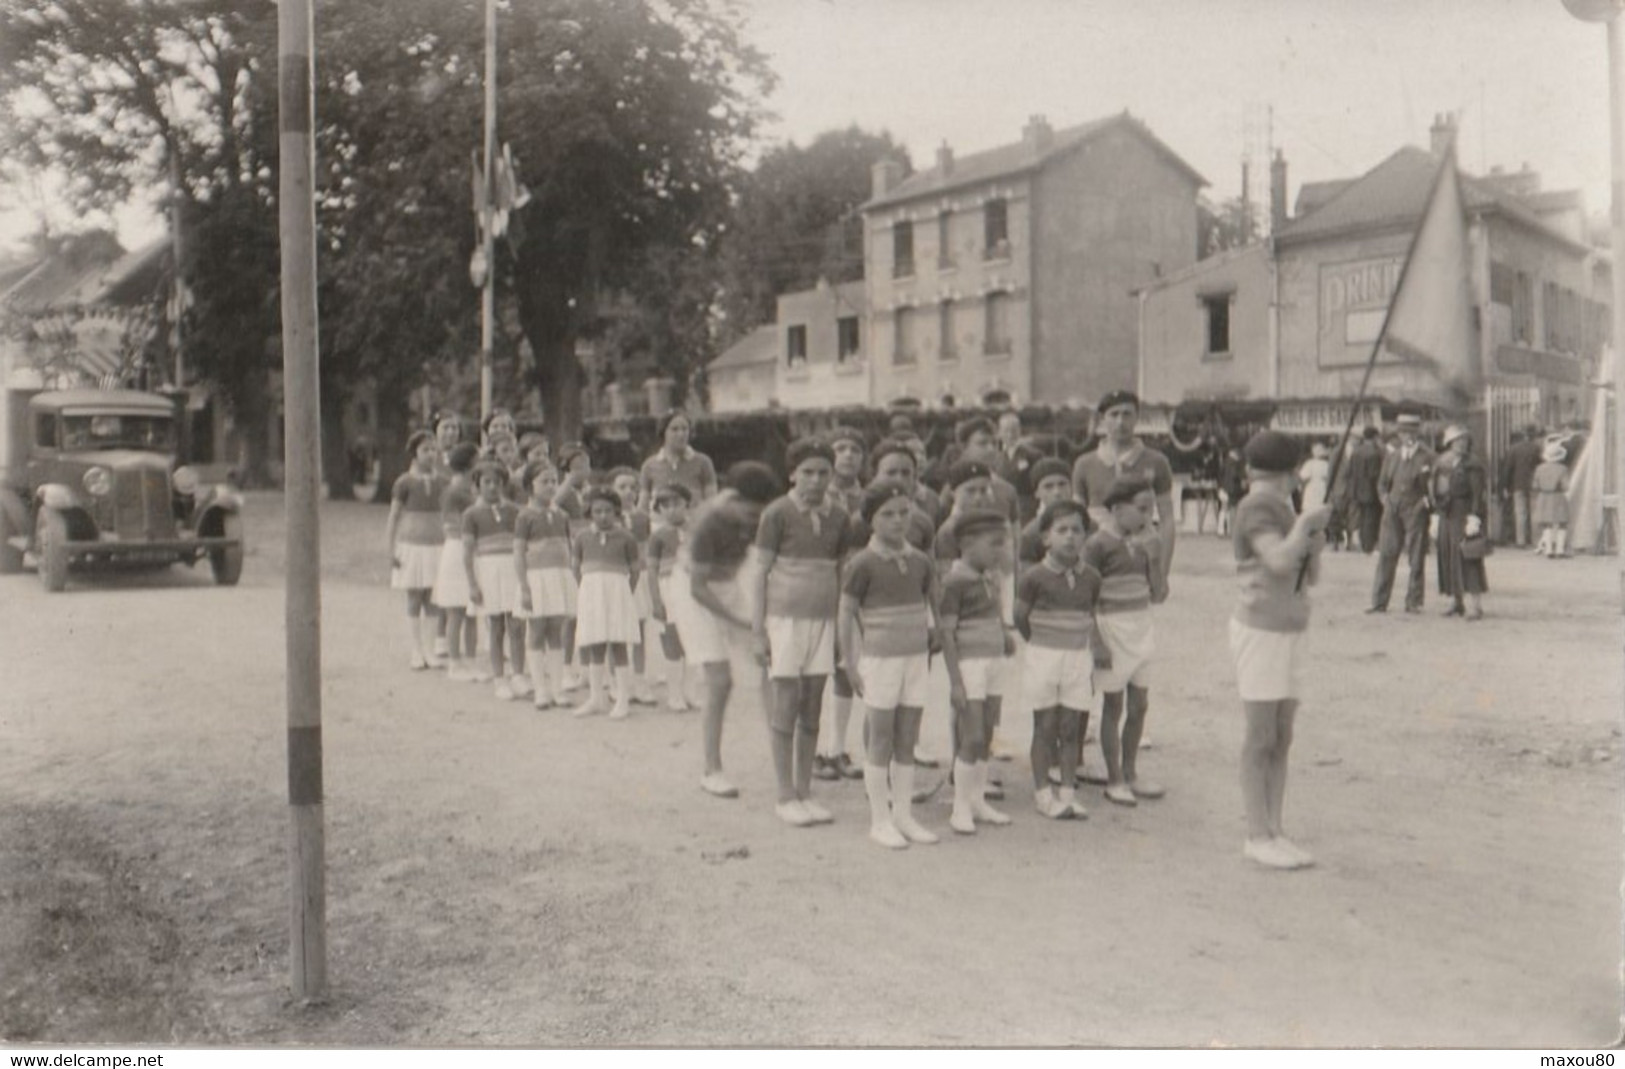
(945, 159)
(884, 177)
(1278, 213)
(1037, 135)
(1441, 133)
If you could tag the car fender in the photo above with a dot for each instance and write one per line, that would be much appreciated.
(211, 517)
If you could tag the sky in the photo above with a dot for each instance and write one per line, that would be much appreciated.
(1336, 85)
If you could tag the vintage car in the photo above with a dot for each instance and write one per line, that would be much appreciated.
(89, 480)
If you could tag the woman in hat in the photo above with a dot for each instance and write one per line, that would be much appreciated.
(1551, 508)
(1460, 493)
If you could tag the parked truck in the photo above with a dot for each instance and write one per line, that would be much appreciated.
(90, 480)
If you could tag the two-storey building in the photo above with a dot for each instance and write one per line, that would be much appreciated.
(1009, 274)
(813, 355)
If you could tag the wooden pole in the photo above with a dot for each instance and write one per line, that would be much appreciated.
(488, 291)
(302, 457)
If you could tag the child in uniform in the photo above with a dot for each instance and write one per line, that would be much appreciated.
(624, 481)
(1267, 635)
(884, 631)
(541, 552)
(493, 585)
(709, 602)
(1052, 482)
(846, 488)
(976, 648)
(799, 545)
(607, 564)
(413, 537)
(451, 578)
(666, 541)
(1129, 558)
(1056, 605)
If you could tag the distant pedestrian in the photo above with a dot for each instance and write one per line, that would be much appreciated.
(1461, 501)
(1523, 458)
(1314, 475)
(1550, 484)
(677, 461)
(1403, 488)
(1364, 475)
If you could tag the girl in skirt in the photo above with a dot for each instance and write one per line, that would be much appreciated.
(413, 537)
(624, 481)
(450, 594)
(541, 553)
(607, 567)
(493, 585)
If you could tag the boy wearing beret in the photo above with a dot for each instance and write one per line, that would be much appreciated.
(799, 545)
(1272, 545)
(1052, 482)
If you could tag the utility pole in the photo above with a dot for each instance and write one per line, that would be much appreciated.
(488, 291)
(302, 456)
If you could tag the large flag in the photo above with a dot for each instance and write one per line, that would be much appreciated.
(1430, 320)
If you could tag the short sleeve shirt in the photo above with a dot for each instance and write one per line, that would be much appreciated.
(614, 551)
(419, 523)
(1095, 471)
(545, 534)
(893, 595)
(1126, 569)
(1269, 602)
(693, 470)
(802, 550)
(489, 528)
(1061, 604)
(971, 601)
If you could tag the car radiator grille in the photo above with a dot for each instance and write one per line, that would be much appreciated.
(142, 500)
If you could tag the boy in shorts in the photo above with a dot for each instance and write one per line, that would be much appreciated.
(1267, 633)
(1052, 482)
(1056, 601)
(1129, 559)
(799, 545)
(710, 605)
(975, 648)
(884, 629)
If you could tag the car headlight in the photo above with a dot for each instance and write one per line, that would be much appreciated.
(184, 480)
(98, 482)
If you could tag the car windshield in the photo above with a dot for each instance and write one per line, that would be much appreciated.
(115, 430)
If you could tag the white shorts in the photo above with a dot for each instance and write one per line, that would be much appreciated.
(799, 647)
(1269, 664)
(1130, 639)
(890, 682)
(1052, 677)
(983, 676)
(499, 585)
(451, 578)
(706, 637)
(419, 565)
(553, 592)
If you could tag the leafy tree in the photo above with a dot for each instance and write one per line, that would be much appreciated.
(797, 221)
(1228, 224)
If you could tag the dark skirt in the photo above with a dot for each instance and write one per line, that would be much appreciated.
(1458, 576)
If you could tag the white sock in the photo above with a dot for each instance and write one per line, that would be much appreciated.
(874, 785)
(965, 788)
(623, 686)
(537, 663)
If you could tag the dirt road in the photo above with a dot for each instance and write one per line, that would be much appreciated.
(502, 876)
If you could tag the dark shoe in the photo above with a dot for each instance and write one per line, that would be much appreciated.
(824, 768)
(847, 769)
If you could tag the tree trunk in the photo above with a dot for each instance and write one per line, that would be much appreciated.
(253, 417)
(548, 327)
(335, 445)
(393, 419)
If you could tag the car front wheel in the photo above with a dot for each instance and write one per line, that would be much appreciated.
(227, 563)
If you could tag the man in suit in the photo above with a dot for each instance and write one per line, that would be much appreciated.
(1364, 470)
(1402, 487)
(1522, 460)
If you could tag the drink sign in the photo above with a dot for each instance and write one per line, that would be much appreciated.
(1354, 297)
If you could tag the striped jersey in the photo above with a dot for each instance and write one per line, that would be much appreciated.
(970, 606)
(489, 528)
(800, 548)
(893, 596)
(614, 551)
(1130, 570)
(419, 522)
(545, 536)
(1061, 604)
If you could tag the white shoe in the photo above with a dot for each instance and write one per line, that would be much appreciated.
(418, 662)
(1067, 799)
(590, 707)
(643, 695)
(456, 673)
(961, 821)
(677, 704)
(504, 691)
(794, 814)
(1048, 805)
(888, 836)
(521, 685)
(1303, 857)
(441, 651)
(715, 783)
(1268, 853)
(620, 710)
(912, 829)
(481, 675)
(573, 679)
(819, 814)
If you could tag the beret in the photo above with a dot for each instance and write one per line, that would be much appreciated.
(803, 449)
(753, 481)
(1047, 467)
(878, 494)
(1118, 397)
(964, 471)
(1124, 490)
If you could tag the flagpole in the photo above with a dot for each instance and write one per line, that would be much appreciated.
(488, 291)
(1446, 165)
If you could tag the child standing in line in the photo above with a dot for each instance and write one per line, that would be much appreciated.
(541, 553)
(413, 537)
(710, 604)
(1056, 604)
(884, 630)
(493, 585)
(1267, 636)
(976, 649)
(799, 545)
(1052, 482)
(846, 488)
(451, 578)
(666, 541)
(607, 564)
(1129, 558)
(624, 481)
(575, 474)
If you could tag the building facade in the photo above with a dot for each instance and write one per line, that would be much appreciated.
(1008, 274)
(814, 355)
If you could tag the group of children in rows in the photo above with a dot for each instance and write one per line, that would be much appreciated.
(867, 583)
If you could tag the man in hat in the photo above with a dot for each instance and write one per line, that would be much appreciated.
(1121, 454)
(1403, 489)
(1522, 460)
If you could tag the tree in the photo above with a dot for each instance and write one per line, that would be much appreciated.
(798, 221)
(1229, 224)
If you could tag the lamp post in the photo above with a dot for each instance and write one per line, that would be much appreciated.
(487, 238)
